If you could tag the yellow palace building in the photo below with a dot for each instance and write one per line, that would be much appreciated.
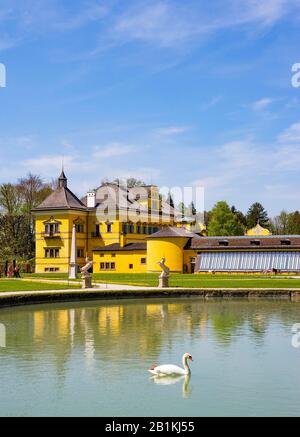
(128, 230)
(113, 224)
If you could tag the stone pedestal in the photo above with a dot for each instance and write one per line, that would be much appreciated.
(163, 282)
(87, 282)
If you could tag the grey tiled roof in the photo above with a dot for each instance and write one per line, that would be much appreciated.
(244, 242)
(171, 232)
(62, 198)
(116, 247)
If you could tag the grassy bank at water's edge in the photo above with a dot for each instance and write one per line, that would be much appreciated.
(188, 280)
(19, 285)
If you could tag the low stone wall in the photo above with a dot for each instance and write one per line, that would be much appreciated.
(28, 298)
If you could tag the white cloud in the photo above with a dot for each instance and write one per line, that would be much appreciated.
(287, 157)
(169, 24)
(6, 42)
(171, 130)
(265, 12)
(238, 156)
(156, 22)
(247, 164)
(33, 17)
(291, 134)
(211, 181)
(112, 150)
(262, 104)
(212, 102)
(146, 174)
(161, 23)
(92, 12)
(49, 165)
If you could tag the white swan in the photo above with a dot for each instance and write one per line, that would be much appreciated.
(171, 369)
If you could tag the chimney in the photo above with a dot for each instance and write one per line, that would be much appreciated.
(91, 199)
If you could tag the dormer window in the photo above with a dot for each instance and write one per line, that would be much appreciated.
(285, 242)
(255, 242)
(223, 243)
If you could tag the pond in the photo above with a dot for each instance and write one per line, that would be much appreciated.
(91, 358)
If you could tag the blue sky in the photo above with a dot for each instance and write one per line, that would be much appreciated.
(176, 93)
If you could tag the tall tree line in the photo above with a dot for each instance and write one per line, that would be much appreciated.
(16, 222)
(286, 223)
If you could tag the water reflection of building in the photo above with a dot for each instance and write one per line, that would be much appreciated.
(110, 319)
(145, 324)
(114, 332)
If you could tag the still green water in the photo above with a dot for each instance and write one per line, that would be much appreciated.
(91, 358)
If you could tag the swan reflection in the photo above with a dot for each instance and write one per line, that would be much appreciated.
(174, 379)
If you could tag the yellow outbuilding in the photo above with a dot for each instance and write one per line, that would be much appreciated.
(168, 243)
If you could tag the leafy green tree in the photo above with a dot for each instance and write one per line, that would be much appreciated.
(223, 221)
(257, 214)
(294, 223)
(280, 224)
(239, 215)
(15, 239)
(10, 199)
(16, 222)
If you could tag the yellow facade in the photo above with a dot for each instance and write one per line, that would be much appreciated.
(60, 240)
(120, 262)
(189, 260)
(169, 248)
(86, 241)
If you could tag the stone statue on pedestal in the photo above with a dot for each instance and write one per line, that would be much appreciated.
(86, 276)
(164, 276)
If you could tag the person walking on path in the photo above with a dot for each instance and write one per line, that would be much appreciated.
(17, 272)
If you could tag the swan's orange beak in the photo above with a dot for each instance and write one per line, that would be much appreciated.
(191, 358)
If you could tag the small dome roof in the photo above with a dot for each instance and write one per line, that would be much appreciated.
(258, 230)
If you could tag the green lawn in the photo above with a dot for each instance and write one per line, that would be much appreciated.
(19, 285)
(201, 281)
(191, 281)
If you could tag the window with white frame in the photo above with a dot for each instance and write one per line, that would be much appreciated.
(51, 252)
